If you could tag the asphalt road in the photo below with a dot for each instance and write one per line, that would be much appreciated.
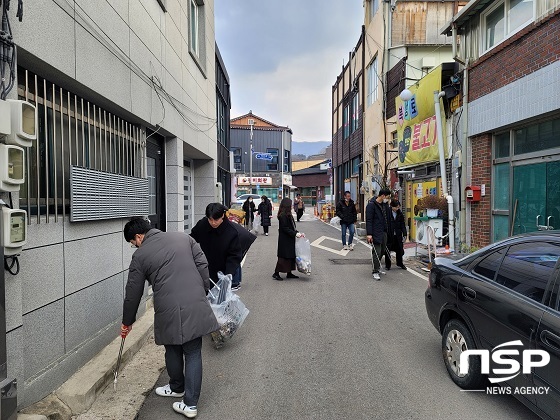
(333, 345)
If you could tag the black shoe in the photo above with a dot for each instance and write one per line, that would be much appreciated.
(276, 276)
(292, 276)
(388, 268)
(402, 266)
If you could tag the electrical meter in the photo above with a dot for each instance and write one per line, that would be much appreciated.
(13, 230)
(23, 123)
(12, 167)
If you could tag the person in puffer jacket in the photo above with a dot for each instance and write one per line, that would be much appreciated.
(346, 210)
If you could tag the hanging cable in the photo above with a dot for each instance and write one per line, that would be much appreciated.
(10, 266)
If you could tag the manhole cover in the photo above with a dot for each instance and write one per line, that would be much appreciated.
(349, 261)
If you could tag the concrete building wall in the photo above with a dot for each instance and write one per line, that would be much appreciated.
(136, 61)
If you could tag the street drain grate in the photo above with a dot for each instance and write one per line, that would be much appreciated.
(349, 261)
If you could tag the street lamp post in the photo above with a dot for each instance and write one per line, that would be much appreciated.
(251, 159)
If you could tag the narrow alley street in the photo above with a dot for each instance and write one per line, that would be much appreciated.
(336, 344)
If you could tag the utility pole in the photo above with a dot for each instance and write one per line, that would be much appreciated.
(251, 123)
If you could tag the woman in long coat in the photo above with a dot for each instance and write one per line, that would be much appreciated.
(265, 211)
(287, 234)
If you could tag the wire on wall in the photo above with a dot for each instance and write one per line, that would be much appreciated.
(8, 49)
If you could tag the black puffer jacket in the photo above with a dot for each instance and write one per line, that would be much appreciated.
(346, 212)
(376, 222)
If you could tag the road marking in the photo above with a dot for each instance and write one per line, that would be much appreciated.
(418, 275)
(316, 243)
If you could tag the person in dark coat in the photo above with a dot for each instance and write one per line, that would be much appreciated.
(219, 241)
(176, 268)
(377, 229)
(399, 232)
(387, 249)
(299, 206)
(287, 234)
(265, 211)
(249, 209)
(346, 210)
(246, 239)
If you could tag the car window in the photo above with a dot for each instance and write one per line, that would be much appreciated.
(528, 267)
(488, 265)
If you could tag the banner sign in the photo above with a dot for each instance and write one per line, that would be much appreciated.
(263, 156)
(416, 122)
(260, 180)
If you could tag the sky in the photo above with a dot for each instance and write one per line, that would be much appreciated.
(283, 57)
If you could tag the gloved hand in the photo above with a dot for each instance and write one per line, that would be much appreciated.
(125, 330)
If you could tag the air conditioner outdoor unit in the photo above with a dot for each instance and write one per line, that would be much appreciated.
(422, 231)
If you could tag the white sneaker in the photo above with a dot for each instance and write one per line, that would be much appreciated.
(165, 391)
(376, 276)
(382, 272)
(345, 248)
(266, 234)
(351, 247)
(186, 410)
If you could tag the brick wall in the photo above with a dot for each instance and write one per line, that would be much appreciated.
(481, 211)
(529, 50)
(311, 180)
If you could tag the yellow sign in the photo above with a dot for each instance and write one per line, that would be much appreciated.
(416, 122)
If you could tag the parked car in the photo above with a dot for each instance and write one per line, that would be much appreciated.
(505, 292)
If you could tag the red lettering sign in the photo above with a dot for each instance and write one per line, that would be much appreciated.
(416, 137)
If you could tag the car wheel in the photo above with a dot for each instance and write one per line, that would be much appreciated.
(455, 340)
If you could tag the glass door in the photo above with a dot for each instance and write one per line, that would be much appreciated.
(536, 197)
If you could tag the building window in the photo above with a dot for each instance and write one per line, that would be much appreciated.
(273, 164)
(372, 82)
(237, 153)
(346, 121)
(356, 165)
(373, 7)
(221, 121)
(197, 33)
(505, 19)
(355, 114)
(194, 28)
(286, 161)
(376, 160)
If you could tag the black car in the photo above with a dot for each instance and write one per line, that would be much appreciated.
(505, 295)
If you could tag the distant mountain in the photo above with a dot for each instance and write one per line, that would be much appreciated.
(309, 148)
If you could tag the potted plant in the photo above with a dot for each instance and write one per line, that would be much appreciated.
(432, 205)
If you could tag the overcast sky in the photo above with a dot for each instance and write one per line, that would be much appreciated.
(283, 58)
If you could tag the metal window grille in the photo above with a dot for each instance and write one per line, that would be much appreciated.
(72, 132)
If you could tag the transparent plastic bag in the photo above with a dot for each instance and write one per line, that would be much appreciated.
(228, 309)
(303, 255)
(256, 224)
(335, 221)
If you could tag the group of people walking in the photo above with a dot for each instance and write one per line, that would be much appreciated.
(264, 210)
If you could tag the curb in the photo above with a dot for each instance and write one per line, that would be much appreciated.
(80, 391)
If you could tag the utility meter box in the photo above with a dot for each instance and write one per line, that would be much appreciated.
(23, 123)
(13, 232)
(12, 167)
(473, 193)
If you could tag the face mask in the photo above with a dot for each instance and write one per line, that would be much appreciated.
(250, 200)
(385, 200)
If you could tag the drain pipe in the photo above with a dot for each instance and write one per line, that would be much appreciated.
(443, 169)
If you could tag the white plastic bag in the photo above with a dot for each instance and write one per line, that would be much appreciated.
(256, 224)
(303, 255)
(335, 221)
(228, 309)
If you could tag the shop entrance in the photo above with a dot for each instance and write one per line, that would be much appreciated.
(536, 197)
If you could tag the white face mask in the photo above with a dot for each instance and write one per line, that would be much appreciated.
(385, 200)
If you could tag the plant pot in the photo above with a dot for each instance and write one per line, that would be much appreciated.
(432, 212)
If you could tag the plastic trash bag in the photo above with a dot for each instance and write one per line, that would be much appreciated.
(228, 309)
(335, 221)
(256, 224)
(303, 255)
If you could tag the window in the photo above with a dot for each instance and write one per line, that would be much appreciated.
(508, 17)
(197, 33)
(237, 153)
(536, 137)
(372, 82)
(376, 160)
(356, 166)
(345, 121)
(194, 27)
(489, 264)
(355, 114)
(373, 7)
(501, 145)
(286, 161)
(273, 164)
(221, 122)
(528, 267)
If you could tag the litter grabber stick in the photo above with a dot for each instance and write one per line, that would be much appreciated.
(116, 371)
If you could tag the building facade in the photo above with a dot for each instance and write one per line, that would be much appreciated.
(223, 107)
(266, 168)
(510, 57)
(126, 101)
(313, 182)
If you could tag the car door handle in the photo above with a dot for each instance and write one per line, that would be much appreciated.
(550, 339)
(469, 293)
